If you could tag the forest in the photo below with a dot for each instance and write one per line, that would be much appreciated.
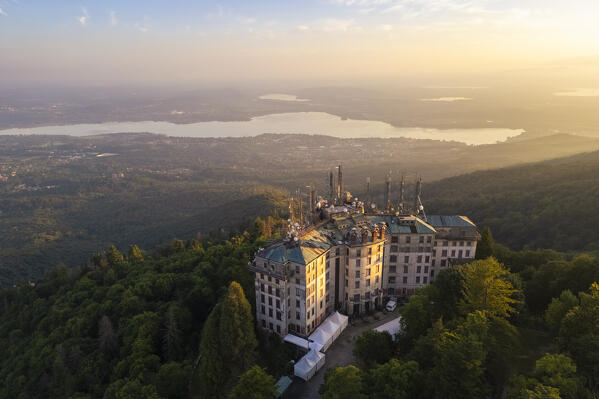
(177, 322)
(511, 324)
(63, 198)
(552, 204)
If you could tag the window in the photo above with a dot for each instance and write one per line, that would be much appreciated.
(393, 248)
(445, 243)
(262, 287)
(443, 262)
(376, 279)
(426, 269)
(336, 251)
(327, 275)
(408, 239)
(312, 313)
(393, 258)
(262, 276)
(429, 239)
(270, 326)
(270, 312)
(321, 304)
(406, 259)
(461, 243)
(277, 292)
(392, 269)
(419, 259)
(467, 253)
(394, 240)
(357, 284)
(444, 252)
(392, 280)
(264, 323)
(297, 315)
(276, 281)
(405, 269)
(369, 260)
(368, 272)
(421, 239)
(278, 329)
(278, 315)
(358, 253)
(433, 263)
(425, 279)
(298, 292)
(297, 281)
(432, 274)
(347, 272)
(357, 274)
(297, 303)
(453, 253)
(417, 279)
(263, 309)
(460, 253)
(269, 279)
(262, 298)
(367, 282)
(346, 282)
(270, 290)
(370, 251)
(405, 280)
(357, 262)
(427, 259)
(270, 301)
(418, 269)
(357, 298)
(469, 243)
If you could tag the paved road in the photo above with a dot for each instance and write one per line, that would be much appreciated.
(338, 354)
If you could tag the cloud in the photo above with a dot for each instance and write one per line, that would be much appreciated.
(303, 27)
(334, 24)
(2, 12)
(113, 20)
(386, 27)
(83, 18)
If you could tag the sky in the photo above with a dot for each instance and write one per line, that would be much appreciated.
(158, 41)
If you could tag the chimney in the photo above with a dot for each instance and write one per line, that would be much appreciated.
(383, 228)
(353, 237)
(375, 233)
(364, 236)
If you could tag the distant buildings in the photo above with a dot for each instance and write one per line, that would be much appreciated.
(340, 257)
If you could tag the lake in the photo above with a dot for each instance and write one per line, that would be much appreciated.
(295, 122)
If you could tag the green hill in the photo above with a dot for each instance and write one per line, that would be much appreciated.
(551, 204)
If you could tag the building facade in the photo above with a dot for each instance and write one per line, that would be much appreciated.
(347, 260)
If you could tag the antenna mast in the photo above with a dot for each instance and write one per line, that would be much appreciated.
(388, 192)
(401, 188)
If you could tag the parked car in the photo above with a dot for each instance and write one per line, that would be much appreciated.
(391, 305)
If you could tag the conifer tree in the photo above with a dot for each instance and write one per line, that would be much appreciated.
(485, 245)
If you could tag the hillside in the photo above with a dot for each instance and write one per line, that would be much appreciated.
(552, 204)
(63, 198)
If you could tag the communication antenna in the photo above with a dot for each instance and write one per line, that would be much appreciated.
(388, 192)
(339, 184)
(401, 188)
(331, 187)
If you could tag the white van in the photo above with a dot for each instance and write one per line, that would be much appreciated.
(391, 305)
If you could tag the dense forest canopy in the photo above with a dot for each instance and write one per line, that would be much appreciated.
(552, 204)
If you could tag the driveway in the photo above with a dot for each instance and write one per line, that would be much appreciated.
(338, 354)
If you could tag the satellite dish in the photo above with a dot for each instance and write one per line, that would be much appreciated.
(289, 220)
(296, 224)
(373, 206)
(294, 238)
(421, 207)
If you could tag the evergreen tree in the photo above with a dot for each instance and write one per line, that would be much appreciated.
(135, 254)
(228, 345)
(373, 347)
(113, 256)
(486, 244)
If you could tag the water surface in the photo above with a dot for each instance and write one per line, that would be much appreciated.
(294, 122)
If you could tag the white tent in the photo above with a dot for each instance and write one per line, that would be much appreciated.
(309, 365)
(295, 340)
(330, 328)
(316, 357)
(340, 320)
(321, 337)
(392, 327)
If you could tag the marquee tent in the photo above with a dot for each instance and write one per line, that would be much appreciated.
(309, 365)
